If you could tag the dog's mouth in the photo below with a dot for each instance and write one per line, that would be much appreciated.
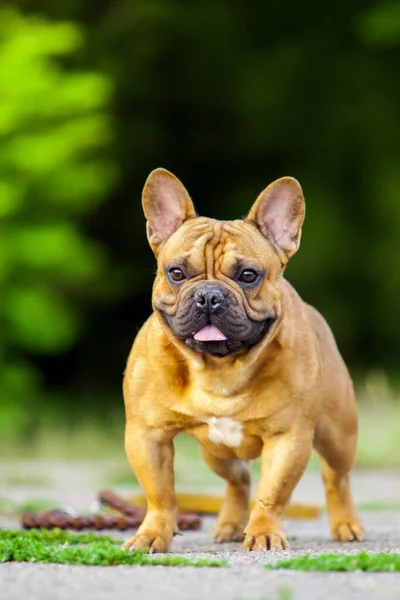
(211, 340)
(219, 334)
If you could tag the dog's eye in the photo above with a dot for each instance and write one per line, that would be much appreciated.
(177, 274)
(248, 276)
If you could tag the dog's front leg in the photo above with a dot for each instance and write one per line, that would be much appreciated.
(151, 456)
(284, 459)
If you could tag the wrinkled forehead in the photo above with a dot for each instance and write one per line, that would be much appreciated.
(224, 243)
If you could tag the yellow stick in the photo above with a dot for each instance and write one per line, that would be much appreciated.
(210, 505)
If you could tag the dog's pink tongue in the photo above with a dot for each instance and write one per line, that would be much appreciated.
(209, 333)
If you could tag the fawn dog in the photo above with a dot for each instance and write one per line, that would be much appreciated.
(232, 356)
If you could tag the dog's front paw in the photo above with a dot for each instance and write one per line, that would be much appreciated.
(154, 541)
(226, 531)
(350, 530)
(264, 542)
(264, 534)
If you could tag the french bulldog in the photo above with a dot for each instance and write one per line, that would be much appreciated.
(232, 356)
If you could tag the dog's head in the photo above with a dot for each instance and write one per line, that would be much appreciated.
(218, 283)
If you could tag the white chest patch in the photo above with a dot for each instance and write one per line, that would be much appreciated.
(224, 430)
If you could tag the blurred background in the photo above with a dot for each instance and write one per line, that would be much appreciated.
(228, 95)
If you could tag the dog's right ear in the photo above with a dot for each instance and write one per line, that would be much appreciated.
(166, 205)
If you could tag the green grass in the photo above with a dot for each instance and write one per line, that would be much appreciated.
(379, 440)
(284, 592)
(378, 445)
(10, 508)
(89, 441)
(374, 563)
(378, 506)
(57, 546)
(123, 476)
(373, 507)
(25, 479)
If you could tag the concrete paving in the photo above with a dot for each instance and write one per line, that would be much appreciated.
(244, 579)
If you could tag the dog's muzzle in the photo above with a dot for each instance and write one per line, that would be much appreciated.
(211, 320)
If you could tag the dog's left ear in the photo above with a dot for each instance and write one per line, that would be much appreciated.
(166, 206)
(279, 214)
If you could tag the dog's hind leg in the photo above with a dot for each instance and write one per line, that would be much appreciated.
(336, 450)
(233, 515)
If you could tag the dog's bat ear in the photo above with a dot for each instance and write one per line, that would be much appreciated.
(279, 214)
(166, 205)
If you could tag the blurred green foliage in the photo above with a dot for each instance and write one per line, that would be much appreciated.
(229, 96)
(53, 128)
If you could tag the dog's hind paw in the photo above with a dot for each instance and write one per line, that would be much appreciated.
(351, 531)
(228, 532)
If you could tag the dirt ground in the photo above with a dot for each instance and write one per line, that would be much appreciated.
(75, 484)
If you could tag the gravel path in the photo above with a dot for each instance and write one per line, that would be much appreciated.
(244, 579)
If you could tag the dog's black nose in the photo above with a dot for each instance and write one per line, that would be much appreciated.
(210, 298)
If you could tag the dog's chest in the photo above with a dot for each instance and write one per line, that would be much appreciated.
(226, 437)
(228, 426)
(224, 430)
